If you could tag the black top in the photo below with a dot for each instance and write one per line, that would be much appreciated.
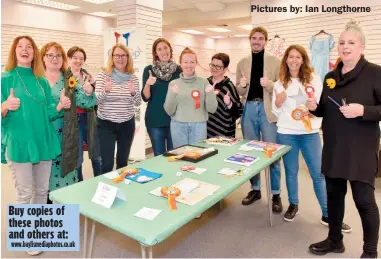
(256, 90)
(351, 146)
(155, 116)
(223, 121)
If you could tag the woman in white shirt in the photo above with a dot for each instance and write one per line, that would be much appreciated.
(298, 128)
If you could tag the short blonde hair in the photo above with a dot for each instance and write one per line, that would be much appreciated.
(110, 62)
(354, 26)
(37, 66)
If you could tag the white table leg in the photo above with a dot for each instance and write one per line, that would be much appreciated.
(85, 239)
(150, 252)
(92, 239)
(143, 251)
(268, 186)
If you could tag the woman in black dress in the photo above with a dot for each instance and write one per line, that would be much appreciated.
(351, 109)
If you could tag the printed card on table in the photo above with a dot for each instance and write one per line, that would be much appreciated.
(242, 159)
(259, 145)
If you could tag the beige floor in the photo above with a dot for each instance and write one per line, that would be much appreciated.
(237, 231)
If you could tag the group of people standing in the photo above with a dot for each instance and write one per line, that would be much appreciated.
(51, 105)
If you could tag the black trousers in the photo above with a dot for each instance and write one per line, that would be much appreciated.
(110, 132)
(363, 196)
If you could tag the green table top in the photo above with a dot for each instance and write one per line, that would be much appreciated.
(120, 216)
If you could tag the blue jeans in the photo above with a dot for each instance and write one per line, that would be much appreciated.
(310, 145)
(161, 139)
(187, 133)
(255, 126)
(82, 137)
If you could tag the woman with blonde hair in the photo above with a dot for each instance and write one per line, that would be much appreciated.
(64, 167)
(350, 106)
(296, 128)
(117, 91)
(27, 108)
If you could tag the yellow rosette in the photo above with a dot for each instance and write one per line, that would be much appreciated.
(331, 83)
(302, 113)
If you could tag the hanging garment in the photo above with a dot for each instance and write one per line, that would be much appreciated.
(320, 54)
(275, 46)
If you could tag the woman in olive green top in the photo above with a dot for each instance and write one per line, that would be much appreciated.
(156, 79)
(27, 107)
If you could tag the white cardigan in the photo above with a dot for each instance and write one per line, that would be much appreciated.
(296, 96)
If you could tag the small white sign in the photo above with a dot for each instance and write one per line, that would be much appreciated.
(147, 213)
(105, 195)
(198, 170)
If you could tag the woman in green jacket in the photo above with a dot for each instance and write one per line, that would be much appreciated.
(27, 108)
(54, 59)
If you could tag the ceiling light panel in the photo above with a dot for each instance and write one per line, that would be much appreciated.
(246, 27)
(102, 14)
(98, 1)
(192, 31)
(218, 29)
(210, 7)
(217, 37)
(51, 4)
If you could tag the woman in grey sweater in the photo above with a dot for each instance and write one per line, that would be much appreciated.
(189, 100)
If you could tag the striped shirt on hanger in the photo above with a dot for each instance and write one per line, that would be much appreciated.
(118, 104)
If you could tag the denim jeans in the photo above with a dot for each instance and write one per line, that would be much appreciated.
(255, 126)
(310, 145)
(161, 139)
(110, 133)
(187, 133)
(82, 138)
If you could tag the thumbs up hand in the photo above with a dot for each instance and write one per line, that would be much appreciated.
(87, 88)
(243, 80)
(151, 79)
(227, 100)
(131, 87)
(210, 88)
(108, 86)
(264, 81)
(64, 100)
(12, 103)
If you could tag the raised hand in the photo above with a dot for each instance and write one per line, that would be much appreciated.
(264, 81)
(87, 88)
(151, 79)
(12, 103)
(131, 86)
(227, 100)
(280, 98)
(174, 88)
(108, 86)
(243, 80)
(311, 104)
(210, 88)
(64, 100)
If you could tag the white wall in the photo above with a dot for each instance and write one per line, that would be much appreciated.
(46, 24)
(22, 14)
(300, 30)
(204, 47)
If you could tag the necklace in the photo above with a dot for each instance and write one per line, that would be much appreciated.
(29, 94)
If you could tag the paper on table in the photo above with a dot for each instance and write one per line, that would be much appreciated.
(111, 175)
(120, 195)
(105, 195)
(147, 213)
(227, 171)
(198, 170)
(187, 186)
